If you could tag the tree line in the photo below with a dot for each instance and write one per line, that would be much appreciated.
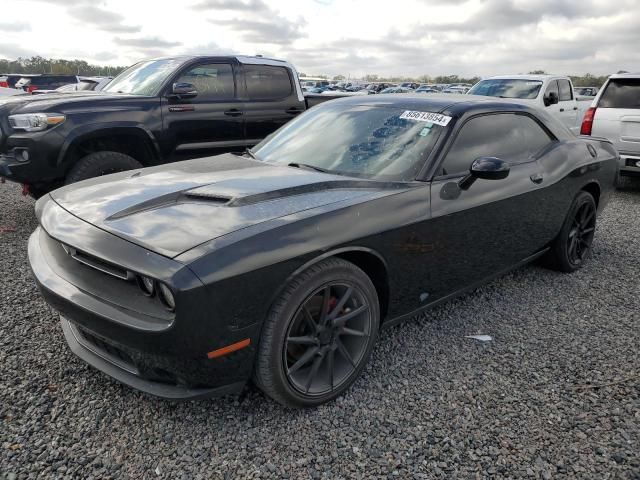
(59, 66)
(62, 66)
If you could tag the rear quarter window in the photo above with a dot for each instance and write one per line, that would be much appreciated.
(266, 82)
(621, 93)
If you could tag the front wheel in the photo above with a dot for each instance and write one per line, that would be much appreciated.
(572, 246)
(101, 163)
(319, 335)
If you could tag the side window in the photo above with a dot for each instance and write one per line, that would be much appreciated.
(266, 82)
(213, 81)
(552, 87)
(510, 137)
(621, 93)
(565, 90)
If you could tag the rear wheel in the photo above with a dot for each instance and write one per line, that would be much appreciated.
(572, 246)
(319, 335)
(101, 163)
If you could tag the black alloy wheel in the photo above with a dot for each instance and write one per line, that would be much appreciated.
(327, 339)
(318, 335)
(581, 233)
(572, 246)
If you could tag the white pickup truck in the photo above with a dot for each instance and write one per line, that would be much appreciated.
(553, 93)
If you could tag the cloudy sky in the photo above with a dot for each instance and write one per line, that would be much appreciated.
(349, 37)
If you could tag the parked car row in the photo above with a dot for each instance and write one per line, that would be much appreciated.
(47, 83)
(382, 87)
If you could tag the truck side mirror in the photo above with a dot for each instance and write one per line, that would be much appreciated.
(550, 99)
(184, 90)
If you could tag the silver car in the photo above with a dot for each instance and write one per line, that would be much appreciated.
(615, 115)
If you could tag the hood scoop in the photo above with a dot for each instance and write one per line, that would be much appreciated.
(217, 192)
(169, 199)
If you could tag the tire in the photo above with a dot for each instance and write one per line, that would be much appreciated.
(37, 192)
(294, 345)
(572, 246)
(100, 163)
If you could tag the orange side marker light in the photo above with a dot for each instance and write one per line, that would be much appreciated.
(229, 348)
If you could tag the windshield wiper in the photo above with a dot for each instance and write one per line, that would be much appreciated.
(249, 152)
(306, 165)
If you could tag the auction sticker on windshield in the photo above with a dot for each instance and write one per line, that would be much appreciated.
(431, 117)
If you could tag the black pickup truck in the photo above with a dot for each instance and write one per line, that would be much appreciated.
(156, 111)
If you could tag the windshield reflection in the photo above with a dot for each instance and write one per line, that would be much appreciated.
(144, 78)
(365, 141)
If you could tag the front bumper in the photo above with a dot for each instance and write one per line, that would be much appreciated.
(119, 369)
(165, 359)
(12, 169)
(41, 167)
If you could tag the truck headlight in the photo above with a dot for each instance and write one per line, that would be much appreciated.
(35, 122)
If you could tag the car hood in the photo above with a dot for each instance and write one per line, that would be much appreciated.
(64, 102)
(172, 208)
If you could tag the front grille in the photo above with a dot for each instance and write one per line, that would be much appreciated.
(104, 347)
(97, 263)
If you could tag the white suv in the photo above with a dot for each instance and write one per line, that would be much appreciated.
(615, 115)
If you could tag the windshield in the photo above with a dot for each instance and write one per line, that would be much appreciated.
(354, 140)
(507, 88)
(144, 78)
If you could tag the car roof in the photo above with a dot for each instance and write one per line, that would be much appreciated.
(625, 75)
(239, 58)
(456, 105)
(438, 103)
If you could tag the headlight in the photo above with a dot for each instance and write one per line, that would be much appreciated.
(167, 297)
(35, 122)
(146, 285)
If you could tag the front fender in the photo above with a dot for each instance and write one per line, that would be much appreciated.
(95, 130)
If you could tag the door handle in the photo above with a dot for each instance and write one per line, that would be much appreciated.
(537, 178)
(182, 108)
(562, 109)
(575, 108)
(293, 111)
(234, 112)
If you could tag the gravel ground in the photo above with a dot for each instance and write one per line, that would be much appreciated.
(556, 394)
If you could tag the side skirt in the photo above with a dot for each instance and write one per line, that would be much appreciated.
(457, 293)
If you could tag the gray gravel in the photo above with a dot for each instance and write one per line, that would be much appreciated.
(556, 394)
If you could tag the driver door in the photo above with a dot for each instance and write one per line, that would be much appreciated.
(494, 224)
(210, 123)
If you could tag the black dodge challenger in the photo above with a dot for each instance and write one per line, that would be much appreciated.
(280, 265)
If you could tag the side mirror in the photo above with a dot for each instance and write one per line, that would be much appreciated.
(184, 90)
(550, 99)
(486, 168)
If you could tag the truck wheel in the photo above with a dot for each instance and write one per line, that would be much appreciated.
(100, 163)
(572, 246)
(37, 192)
